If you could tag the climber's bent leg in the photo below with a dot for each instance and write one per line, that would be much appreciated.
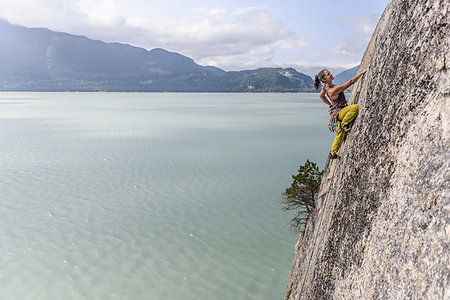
(348, 113)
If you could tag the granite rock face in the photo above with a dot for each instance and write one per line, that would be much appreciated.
(381, 229)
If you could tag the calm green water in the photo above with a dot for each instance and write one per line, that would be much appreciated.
(151, 196)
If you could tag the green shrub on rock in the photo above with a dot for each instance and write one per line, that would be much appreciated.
(302, 194)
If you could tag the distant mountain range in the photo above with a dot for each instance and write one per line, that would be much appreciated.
(346, 75)
(37, 59)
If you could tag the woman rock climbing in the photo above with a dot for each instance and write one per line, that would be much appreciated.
(341, 114)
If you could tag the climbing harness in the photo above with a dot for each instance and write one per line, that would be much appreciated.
(334, 122)
(336, 105)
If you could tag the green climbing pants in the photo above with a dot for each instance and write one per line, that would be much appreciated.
(346, 115)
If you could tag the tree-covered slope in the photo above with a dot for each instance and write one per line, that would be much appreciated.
(37, 59)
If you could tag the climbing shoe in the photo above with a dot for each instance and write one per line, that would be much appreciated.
(346, 127)
(332, 156)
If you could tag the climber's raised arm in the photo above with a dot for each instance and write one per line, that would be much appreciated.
(340, 88)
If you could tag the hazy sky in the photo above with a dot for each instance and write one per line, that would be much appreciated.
(232, 34)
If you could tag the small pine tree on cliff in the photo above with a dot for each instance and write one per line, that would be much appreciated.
(302, 194)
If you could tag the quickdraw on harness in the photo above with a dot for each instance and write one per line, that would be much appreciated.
(333, 124)
(336, 105)
(334, 109)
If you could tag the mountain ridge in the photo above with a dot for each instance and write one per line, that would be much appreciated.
(39, 59)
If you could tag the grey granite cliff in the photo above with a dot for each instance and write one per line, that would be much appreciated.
(381, 229)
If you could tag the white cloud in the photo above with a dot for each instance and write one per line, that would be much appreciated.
(33, 13)
(228, 39)
(246, 10)
(217, 34)
(100, 13)
(217, 40)
(210, 12)
(357, 41)
(292, 43)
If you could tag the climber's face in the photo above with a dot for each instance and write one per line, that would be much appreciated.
(327, 77)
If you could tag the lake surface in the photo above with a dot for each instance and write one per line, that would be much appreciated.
(151, 195)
